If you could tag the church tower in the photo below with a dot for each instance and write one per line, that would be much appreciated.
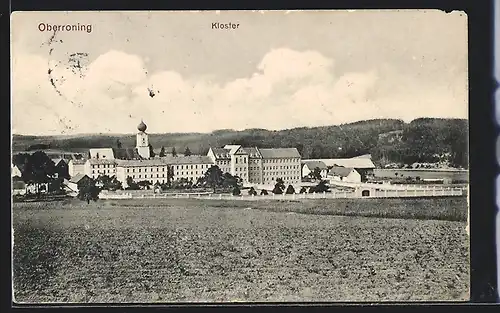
(142, 144)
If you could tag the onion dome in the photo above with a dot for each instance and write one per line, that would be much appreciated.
(142, 127)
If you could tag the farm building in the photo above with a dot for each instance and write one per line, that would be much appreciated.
(309, 166)
(345, 174)
(76, 182)
(362, 164)
(61, 166)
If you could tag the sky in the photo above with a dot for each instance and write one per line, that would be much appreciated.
(276, 70)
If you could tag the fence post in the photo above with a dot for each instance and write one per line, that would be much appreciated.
(324, 194)
(415, 192)
(385, 193)
(220, 196)
(334, 193)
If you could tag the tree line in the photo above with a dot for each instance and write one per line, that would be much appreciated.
(422, 140)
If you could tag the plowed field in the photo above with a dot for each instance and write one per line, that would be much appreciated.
(192, 250)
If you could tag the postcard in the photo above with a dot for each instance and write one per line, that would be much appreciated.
(239, 156)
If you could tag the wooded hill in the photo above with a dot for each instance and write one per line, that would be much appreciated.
(388, 140)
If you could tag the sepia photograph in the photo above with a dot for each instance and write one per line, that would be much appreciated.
(239, 156)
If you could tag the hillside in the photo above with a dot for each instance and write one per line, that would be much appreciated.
(388, 140)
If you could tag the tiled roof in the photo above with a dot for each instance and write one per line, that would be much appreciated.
(167, 160)
(75, 179)
(251, 151)
(221, 153)
(126, 153)
(278, 153)
(315, 164)
(340, 171)
(192, 159)
(78, 162)
(353, 163)
(102, 161)
(232, 148)
(104, 153)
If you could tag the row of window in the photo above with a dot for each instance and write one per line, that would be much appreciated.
(280, 173)
(103, 171)
(285, 179)
(282, 167)
(285, 160)
(145, 176)
(162, 169)
(162, 180)
(103, 166)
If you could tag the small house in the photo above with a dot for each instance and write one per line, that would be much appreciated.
(344, 174)
(308, 167)
(76, 182)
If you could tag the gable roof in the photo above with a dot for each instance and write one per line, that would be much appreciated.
(359, 163)
(252, 152)
(77, 178)
(221, 153)
(102, 161)
(341, 171)
(167, 160)
(313, 164)
(278, 153)
(125, 154)
(104, 153)
(232, 148)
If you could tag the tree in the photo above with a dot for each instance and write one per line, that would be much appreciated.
(230, 181)
(39, 170)
(187, 152)
(213, 177)
(174, 153)
(89, 191)
(321, 187)
(236, 191)
(151, 151)
(277, 189)
(280, 183)
(263, 192)
(170, 174)
(132, 185)
(316, 173)
(118, 144)
(162, 152)
(290, 190)
(144, 184)
(109, 183)
(303, 190)
(252, 192)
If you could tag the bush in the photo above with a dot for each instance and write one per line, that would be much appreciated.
(252, 192)
(290, 190)
(236, 191)
(263, 192)
(277, 190)
(303, 190)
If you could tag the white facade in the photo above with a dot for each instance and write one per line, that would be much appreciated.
(352, 176)
(76, 167)
(308, 167)
(95, 167)
(258, 166)
(142, 144)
